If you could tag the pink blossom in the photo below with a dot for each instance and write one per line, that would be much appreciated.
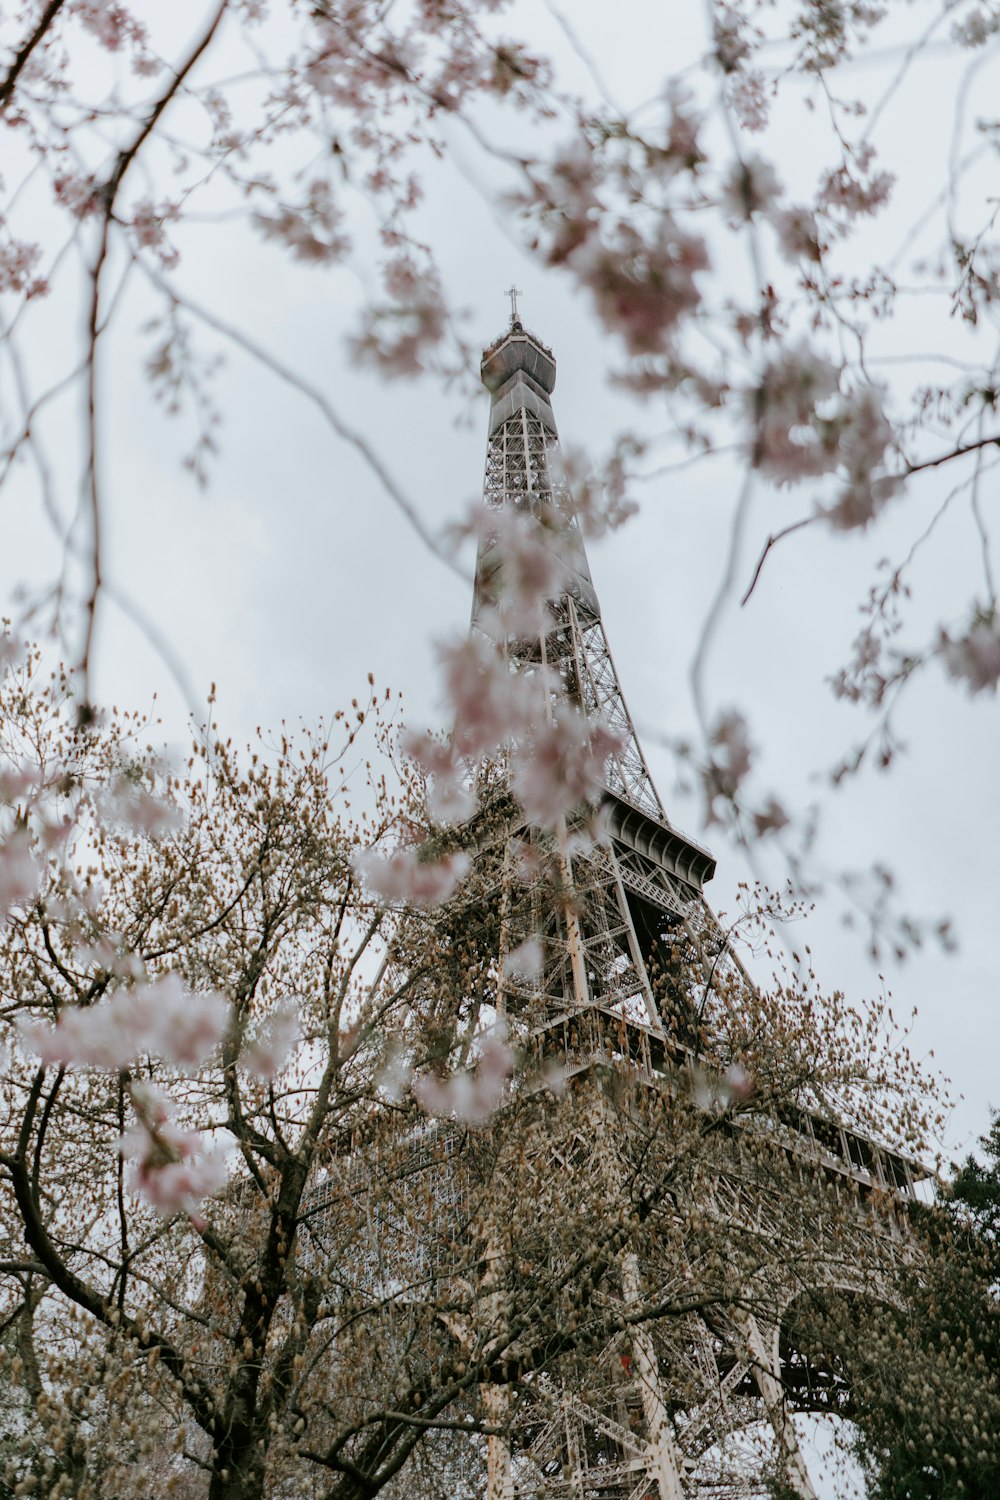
(599, 502)
(730, 762)
(789, 442)
(17, 783)
(490, 702)
(561, 764)
(731, 35)
(642, 288)
(976, 28)
(852, 194)
(747, 93)
(149, 222)
(450, 798)
(405, 876)
(798, 234)
(172, 1168)
(750, 187)
(266, 1054)
(864, 436)
(525, 567)
(397, 336)
(312, 230)
(20, 872)
(129, 802)
(110, 23)
(526, 960)
(160, 1019)
(17, 260)
(470, 1096)
(974, 658)
(81, 195)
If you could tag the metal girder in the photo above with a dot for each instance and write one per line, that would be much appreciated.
(665, 1421)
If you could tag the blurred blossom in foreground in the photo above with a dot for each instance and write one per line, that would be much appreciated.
(161, 1019)
(20, 873)
(404, 876)
(266, 1054)
(470, 1096)
(172, 1168)
(974, 658)
(525, 961)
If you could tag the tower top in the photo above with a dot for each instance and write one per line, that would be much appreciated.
(514, 351)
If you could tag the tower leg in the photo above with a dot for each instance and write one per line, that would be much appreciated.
(766, 1379)
(662, 1457)
(499, 1477)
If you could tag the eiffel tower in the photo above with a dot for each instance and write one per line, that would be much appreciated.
(685, 1403)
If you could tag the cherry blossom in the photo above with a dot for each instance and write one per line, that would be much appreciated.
(524, 556)
(865, 435)
(312, 231)
(172, 1168)
(526, 960)
(490, 702)
(127, 801)
(974, 658)
(450, 798)
(850, 193)
(405, 876)
(20, 872)
(750, 187)
(161, 1019)
(265, 1055)
(470, 1096)
(731, 758)
(561, 763)
(17, 262)
(747, 93)
(110, 23)
(789, 442)
(798, 233)
(642, 286)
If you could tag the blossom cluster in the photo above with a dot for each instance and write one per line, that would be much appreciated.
(161, 1019)
(172, 1167)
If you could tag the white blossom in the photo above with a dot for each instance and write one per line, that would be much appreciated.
(750, 187)
(161, 1019)
(266, 1054)
(974, 658)
(470, 1096)
(20, 872)
(171, 1167)
(405, 876)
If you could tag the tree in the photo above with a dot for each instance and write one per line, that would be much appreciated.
(267, 1248)
(918, 1436)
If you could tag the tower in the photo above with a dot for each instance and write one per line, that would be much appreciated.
(631, 961)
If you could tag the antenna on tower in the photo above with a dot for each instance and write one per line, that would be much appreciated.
(513, 292)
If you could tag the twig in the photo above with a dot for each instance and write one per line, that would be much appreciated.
(776, 536)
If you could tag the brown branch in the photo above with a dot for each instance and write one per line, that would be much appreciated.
(14, 71)
(96, 1303)
(946, 458)
(109, 193)
(775, 537)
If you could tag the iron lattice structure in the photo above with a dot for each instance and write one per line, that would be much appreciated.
(696, 1404)
(669, 1416)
